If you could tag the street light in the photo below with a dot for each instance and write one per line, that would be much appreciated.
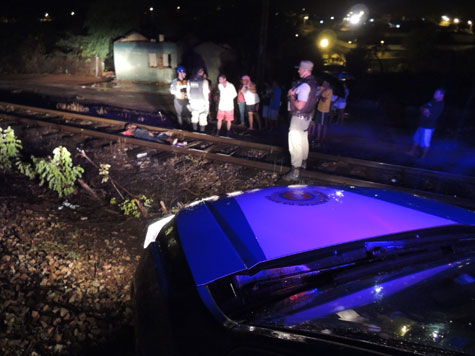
(324, 42)
(445, 18)
(456, 20)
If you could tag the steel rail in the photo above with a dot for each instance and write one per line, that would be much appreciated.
(413, 171)
(233, 142)
(314, 175)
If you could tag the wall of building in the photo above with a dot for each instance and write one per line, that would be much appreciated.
(145, 61)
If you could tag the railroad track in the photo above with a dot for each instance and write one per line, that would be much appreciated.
(323, 168)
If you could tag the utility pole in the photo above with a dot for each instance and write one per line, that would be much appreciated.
(261, 58)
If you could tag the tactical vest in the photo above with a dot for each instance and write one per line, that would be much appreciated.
(309, 109)
(196, 88)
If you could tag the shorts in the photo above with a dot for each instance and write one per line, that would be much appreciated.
(227, 115)
(251, 108)
(265, 111)
(321, 118)
(423, 136)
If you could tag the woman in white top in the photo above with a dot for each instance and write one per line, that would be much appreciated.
(249, 92)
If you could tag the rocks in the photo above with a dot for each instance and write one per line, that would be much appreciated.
(52, 298)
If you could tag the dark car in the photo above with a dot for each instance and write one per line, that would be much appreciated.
(308, 270)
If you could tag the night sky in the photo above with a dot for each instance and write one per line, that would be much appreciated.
(325, 8)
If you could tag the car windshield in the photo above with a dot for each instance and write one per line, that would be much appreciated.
(411, 290)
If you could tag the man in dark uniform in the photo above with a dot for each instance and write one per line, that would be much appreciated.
(302, 100)
(178, 89)
(198, 93)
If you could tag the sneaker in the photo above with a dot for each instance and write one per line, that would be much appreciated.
(293, 175)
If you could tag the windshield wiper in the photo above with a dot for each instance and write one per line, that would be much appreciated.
(348, 262)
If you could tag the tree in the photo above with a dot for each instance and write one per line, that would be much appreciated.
(420, 45)
(104, 23)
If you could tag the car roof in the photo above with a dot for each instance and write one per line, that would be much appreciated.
(230, 234)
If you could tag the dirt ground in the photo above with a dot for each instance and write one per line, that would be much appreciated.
(66, 264)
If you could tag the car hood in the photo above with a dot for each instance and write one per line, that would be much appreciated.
(230, 234)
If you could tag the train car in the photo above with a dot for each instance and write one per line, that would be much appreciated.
(306, 270)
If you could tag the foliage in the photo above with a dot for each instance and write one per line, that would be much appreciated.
(26, 169)
(10, 148)
(104, 24)
(104, 171)
(420, 46)
(131, 206)
(58, 171)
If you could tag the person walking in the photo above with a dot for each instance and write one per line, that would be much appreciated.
(198, 94)
(178, 89)
(227, 93)
(430, 113)
(302, 100)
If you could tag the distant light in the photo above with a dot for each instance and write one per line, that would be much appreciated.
(398, 26)
(46, 14)
(423, 19)
(371, 20)
(332, 18)
(276, 14)
(303, 9)
(296, 35)
(178, 7)
(73, 13)
(151, 9)
(355, 19)
(445, 18)
(456, 20)
(404, 330)
(324, 42)
(305, 17)
(382, 42)
(321, 21)
(350, 42)
(469, 22)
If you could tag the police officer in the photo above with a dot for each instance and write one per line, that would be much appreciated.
(198, 95)
(178, 89)
(303, 99)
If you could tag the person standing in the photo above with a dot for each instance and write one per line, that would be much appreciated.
(340, 105)
(276, 95)
(227, 93)
(242, 106)
(198, 94)
(430, 113)
(302, 100)
(323, 111)
(249, 91)
(178, 89)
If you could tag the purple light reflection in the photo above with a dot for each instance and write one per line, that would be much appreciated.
(364, 297)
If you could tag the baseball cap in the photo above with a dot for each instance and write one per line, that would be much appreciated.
(181, 69)
(308, 65)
